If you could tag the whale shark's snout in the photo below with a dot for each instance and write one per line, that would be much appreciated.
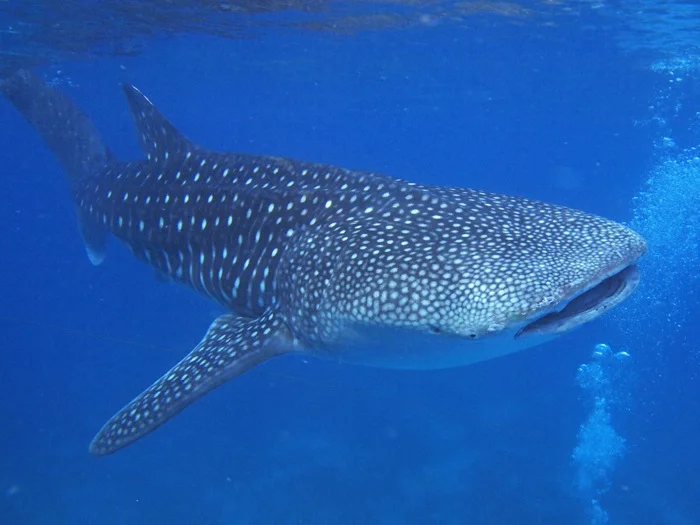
(554, 270)
(582, 300)
(579, 309)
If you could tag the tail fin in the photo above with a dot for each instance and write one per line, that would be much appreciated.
(69, 134)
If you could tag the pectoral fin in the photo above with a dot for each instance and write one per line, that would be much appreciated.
(231, 346)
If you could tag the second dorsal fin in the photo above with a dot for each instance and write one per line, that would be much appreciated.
(159, 138)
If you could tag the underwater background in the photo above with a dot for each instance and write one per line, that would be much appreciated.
(592, 104)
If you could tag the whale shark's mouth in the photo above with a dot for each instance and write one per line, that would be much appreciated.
(587, 305)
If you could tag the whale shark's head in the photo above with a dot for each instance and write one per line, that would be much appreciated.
(489, 274)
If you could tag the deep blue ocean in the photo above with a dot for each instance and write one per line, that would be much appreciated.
(590, 105)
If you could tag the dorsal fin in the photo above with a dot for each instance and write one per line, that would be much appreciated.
(159, 138)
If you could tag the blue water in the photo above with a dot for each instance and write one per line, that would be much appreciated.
(564, 113)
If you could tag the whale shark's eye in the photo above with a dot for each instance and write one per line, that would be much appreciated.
(435, 329)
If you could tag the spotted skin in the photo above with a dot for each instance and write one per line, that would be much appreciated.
(350, 265)
(231, 345)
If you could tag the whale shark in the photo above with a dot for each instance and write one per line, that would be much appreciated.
(315, 259)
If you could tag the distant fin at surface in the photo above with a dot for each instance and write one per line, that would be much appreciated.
(70, 135)
(159, 138)
(231, 346)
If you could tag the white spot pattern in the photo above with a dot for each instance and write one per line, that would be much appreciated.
(323, 247)
(219, 354)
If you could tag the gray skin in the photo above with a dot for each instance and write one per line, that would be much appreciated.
(348, 265)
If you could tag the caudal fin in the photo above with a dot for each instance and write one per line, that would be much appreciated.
(70, 135)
